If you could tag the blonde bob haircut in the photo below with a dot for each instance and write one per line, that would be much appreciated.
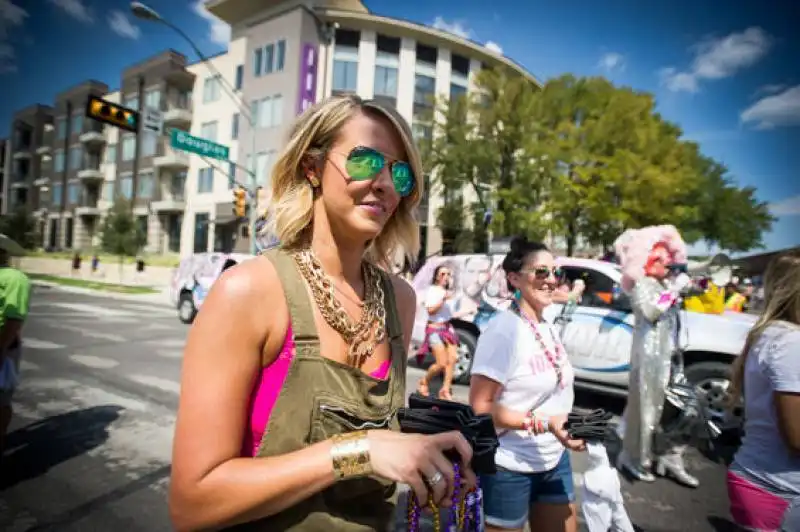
(310, 139)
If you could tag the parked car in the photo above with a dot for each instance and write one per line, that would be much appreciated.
(597, 334)
(193, 277)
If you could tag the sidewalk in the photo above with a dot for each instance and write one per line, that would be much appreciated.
(157, 277)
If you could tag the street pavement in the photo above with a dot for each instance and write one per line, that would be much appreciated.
(89, 447)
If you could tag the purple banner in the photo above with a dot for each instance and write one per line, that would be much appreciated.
(308, 78)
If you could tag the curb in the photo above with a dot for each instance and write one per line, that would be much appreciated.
(160, 299)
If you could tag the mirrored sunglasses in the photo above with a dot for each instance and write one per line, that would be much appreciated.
(543, 272)
(364, 164)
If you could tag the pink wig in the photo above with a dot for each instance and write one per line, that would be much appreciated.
(633, 248)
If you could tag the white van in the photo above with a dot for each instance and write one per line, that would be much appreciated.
(193, 277)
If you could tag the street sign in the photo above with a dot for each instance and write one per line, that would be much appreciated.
(152, 120)
(181, 140)
(112, 113)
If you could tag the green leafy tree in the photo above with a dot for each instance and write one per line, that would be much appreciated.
(120, 233)
(21, 226)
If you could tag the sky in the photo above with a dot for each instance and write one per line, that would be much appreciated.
(727, 73)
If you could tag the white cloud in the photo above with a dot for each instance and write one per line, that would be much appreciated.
(611, 62)
(456, 27)
(218, 31)
(787, 207)
(493, 46)
(782, 109)
(76, 9)
(768, 89)
(11, 16)
(718, 58)
(122, 26)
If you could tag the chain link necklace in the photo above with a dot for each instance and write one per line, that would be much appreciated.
(362, 336)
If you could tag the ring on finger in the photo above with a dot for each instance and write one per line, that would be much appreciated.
(435, 478)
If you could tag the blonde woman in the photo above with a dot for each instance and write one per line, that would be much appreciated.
(764, 478)
(296, 364)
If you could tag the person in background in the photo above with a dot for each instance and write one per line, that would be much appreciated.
(521, 375)
(646, 256)
(602, 503)
(15, 293)
(440, 336)
(764, 477)
(734, 299)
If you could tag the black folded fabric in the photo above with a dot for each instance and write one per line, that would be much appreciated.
(594, 426)
(427, 415)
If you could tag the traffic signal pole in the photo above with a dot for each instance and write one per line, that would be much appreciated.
(253, 192)
(137, 145)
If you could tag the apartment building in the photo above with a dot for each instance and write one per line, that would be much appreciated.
(3, 147)
(284, 55)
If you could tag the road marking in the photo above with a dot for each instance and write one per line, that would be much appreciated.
(94, 362)
(174, 343)
(92, 309)
(170, 353)
(25, 365)
(157, 382)
(83, 331)
(33, 343)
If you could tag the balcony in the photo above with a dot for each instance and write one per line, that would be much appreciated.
(43, 150)
(169, 203)
(178, 115)
(91, 172)
(41, 182)
(93, 136)
(88, 206)
(171, 159)
(22, 152)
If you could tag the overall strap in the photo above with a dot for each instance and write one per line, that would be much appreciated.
(393, 325)
(301, 311)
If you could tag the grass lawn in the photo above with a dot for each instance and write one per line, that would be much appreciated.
(92, 285)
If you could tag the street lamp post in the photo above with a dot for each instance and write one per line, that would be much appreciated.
(145, 12)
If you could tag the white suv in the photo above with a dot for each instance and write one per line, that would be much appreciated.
(597, 334)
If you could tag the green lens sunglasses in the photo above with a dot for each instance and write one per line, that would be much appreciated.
(364, 164)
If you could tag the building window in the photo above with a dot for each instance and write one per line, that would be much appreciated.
(268, 112)
(128, 147)
(424, 90)
(200, 232)
(280, 60)
(235, 127)
(108, 191)
(74, 193)
(132, 101)
(205, 180)
(211, 89)
(231, 174)
(57, 191)
(177, 186)
(126, 186)
(111, 154)
(456, 91)
(208, 131)
(61, 128)
(239, 77)
(75, 156)
(258, 61)
(58, 161)
(277, 110)
(145, 185)
(269, 58)
(152, 98)
(263, 167)
(76, 123)
(345, 68)
(385, 81)
(149, 140)
(422, 131)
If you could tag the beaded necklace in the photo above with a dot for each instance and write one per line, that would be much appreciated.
(554, 359)
(464, 515)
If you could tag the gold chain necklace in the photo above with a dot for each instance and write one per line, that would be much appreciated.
(361, 336)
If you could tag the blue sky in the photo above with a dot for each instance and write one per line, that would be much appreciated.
(729, 76)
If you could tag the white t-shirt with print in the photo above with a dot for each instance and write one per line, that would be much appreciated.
(509, 353)
(434, 295)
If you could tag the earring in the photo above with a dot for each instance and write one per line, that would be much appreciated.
(314, 181)
(517, 294)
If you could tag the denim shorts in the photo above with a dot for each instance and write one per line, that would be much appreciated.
(509, 495)
(435, 339)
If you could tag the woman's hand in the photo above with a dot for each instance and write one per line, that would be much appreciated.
(413, 459)
(557, 428)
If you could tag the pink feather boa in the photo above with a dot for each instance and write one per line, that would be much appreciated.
(633, 248)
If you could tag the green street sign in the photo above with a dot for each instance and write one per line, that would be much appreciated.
(181, 140)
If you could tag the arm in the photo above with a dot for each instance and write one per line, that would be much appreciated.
(212, 486)
(783, 371)
(434, 299)
(652, 299)
(483, 393)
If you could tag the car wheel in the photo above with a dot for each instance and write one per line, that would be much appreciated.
(186, 308)
(712, 380)
(466, 351)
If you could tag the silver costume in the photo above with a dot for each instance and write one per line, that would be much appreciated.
(653, 368)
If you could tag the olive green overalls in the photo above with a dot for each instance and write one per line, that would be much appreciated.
(321, 397)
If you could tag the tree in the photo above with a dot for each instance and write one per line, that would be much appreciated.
(120, 234)
(21, 226)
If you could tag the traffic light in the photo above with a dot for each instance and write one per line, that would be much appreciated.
(240, 202)
(113, 114)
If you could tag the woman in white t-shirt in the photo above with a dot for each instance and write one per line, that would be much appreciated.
(440, 336)
(521, 375)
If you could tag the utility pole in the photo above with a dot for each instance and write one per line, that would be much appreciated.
(136, 140)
